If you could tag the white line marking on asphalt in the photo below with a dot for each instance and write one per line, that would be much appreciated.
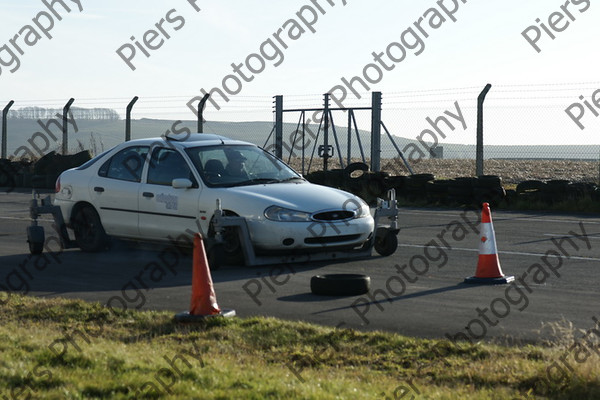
(526, 218)
(16, 218)
(26, 219)
(518, 253)
(569, 236)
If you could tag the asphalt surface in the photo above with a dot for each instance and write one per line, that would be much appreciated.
(418, 291)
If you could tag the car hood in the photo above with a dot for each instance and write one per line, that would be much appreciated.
(301, 196)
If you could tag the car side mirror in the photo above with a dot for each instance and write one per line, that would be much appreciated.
(181, 183)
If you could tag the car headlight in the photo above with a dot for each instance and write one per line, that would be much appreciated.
(276, 213)
(362, 209)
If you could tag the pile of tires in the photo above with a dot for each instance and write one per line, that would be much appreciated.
(457, 191)
(47, 169)
(14, 173)
(488, 189)
(415, 187)
(555, 191)
(461, 191)
(437, 191)
(367, 185)
(42, 173)
(421, 188)
(355, 178)
(331, 178)
(6, 174)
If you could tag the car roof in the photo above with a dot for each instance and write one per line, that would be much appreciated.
(189, 140)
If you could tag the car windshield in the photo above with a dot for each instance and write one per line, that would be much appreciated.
(239, 165)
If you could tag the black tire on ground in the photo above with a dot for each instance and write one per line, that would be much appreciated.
(557, 186)
(418, 180)
(423, 177)
(530, 185)
(464, 182)
(386, 244)
(353, 167)
(89, 232)
(489, 181)
(340, 284)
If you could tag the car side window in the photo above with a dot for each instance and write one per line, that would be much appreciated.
(166, 165)
(126, 165)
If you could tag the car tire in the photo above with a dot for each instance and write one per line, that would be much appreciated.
(231, 252)
(89, 232)
(386, 244)
(35, 239)
(353, 167)
(530, 185)
(340, 284)
(216, 257)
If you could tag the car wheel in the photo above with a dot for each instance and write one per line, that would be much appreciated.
(231, 248)
(89, 233)
(387, 244)
(35, 239)
(340, 284)
(216, 257)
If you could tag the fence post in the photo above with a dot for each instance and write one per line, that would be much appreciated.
(376, 131)
(349, 158)
(326, 132)
(128, 118)
(279, 126)
(65, 143)
(479, 149)
(201, 112)
(4, 132)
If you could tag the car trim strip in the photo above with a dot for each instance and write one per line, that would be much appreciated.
(148, 212)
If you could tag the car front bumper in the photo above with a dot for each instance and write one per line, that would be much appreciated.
(272, 235)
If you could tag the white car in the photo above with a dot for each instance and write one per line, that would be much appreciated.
(158, 189)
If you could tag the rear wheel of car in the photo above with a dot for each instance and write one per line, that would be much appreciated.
(89, 233)
(340, 284)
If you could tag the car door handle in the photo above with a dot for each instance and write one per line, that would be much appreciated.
(98, 189)
(148, 194)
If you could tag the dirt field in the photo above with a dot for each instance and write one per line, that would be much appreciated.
(511, 171)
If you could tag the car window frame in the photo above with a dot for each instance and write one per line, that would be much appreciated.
(194, 179)
(104, 169)
(92, 161)
(200, 170)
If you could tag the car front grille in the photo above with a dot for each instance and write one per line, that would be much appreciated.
(334, 215)
(330, 239)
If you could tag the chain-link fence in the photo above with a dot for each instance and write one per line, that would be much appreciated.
(527, 132)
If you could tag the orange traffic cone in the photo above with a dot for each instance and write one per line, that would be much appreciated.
(204, 300)
(488, 266)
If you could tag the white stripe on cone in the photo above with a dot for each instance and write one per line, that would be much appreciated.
(487, 239)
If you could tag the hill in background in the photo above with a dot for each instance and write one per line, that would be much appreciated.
(101, 134)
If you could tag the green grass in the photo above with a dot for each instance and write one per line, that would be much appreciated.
(45, 354)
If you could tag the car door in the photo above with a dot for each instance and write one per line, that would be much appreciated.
(115, 191)
(167, 212)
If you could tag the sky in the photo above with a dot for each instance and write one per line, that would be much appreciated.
(530, 90)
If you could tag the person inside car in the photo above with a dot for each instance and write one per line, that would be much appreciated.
(235, 167)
